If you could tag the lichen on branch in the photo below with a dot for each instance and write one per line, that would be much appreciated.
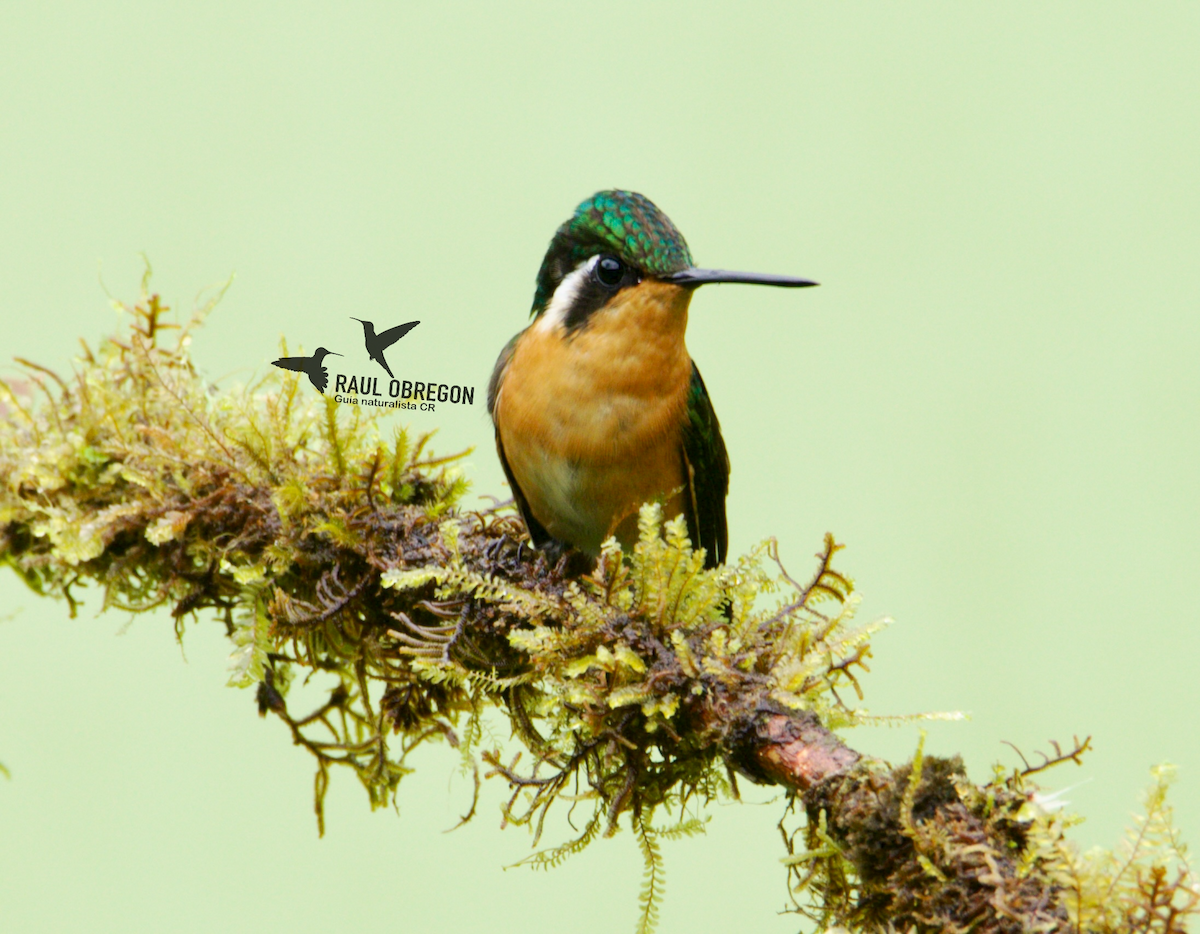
(327, 544)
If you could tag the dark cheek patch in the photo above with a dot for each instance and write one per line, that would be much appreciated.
(592, 296)
(589, 298)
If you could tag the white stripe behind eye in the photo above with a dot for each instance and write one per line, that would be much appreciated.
(555, 315)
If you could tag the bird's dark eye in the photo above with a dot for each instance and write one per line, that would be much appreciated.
(609, 271)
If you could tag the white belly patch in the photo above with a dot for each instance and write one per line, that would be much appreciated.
(554, 487)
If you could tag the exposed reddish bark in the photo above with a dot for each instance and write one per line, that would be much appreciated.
(797, 752)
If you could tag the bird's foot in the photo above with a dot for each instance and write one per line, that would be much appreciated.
(565, 559)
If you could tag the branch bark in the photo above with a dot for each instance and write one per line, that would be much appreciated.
(298, 529)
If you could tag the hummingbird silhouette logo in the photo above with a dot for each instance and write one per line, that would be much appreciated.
(378, 343)
(312, 367)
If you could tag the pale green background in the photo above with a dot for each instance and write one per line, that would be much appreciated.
(993, 398)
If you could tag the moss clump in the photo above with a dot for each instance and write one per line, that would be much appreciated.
(328, 546)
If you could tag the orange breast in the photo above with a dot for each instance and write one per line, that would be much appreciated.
(591, 421)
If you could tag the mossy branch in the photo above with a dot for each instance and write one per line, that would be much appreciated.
(326, 545)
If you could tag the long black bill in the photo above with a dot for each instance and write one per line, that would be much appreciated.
(692, 278)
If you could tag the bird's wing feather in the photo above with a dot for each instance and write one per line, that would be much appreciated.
(391, 335)
(706, 473)
(537, 532)
(498, 372)
(320, 380)
(292, 363)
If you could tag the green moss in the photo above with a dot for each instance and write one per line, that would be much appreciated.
(324, 543)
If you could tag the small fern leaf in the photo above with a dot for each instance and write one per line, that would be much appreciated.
(556, 856)
(653, 878)
(691, 827)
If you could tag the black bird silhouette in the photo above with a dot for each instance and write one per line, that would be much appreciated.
(378, 343)
(311, 366)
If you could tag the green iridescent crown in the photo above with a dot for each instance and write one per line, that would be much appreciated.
(623, 223)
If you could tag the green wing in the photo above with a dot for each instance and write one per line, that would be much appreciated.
(706, 470)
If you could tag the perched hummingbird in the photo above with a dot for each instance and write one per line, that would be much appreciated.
(378, 343)
(598, 408)
(312, 366)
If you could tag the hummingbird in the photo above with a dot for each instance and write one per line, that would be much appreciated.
(311, 366)
(597, 406)
(378, 343)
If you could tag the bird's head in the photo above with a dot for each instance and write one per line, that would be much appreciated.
(618, 241)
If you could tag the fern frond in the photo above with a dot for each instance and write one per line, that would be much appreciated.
(653, 877)
(689, 827)
(556, 856)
